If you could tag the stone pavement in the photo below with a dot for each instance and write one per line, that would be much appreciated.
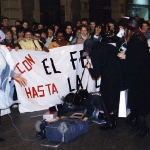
(118, 139)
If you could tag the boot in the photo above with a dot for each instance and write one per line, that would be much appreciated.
(134, 125)
(108, 124)
(114, 118)
(111, 121)
(129, 119)
(144, 130)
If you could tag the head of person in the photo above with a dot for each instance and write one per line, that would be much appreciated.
(50, 32)
(20, 32)
(25, 24)
(92, 24)
(34, 26)
(77, 31)
(84, 31)
(60, 36)
(40, 26)
(17, 23)
(43, 33)
(68, 28)
(98, 28)
(145, 26)
(56, 27)
(78, 23)
(132, 25)
(13, 29)
(28, 34)
(5, 21)
(84, 21)
(111, 24)
(8, 34)
(36, 35)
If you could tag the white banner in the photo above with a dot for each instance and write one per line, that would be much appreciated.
(50, 76)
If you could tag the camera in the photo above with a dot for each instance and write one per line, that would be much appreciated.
(109, 32)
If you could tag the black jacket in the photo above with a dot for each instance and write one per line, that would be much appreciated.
(138, 73)
(106, 64)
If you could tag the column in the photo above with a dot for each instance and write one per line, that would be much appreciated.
(36, 11)
(11, 9)
(117, 9)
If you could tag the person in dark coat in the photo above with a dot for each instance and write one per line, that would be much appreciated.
(106, 65)
(137, 59)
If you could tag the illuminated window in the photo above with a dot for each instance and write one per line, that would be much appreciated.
(141, 2)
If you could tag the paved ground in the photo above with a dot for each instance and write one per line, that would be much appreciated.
(118, 139)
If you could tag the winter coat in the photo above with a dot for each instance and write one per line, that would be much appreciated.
(138, 74)
(106, 64)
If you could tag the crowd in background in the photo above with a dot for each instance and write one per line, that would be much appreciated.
(131, 47)
(37, 36)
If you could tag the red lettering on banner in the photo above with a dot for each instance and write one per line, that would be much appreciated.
(27, 64)
(17, 66)
(35, 94)
(29, 59)
(39, 91)
(48, 86)
(54, 89)
(28, 93)
(42, 91)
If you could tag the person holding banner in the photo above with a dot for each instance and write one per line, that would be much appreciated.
(5, 74)
(28, 43)
(107, 66)
(137, 59)
(60, 40)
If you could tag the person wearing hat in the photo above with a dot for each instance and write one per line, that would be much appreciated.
(137, 59)
(28, 43)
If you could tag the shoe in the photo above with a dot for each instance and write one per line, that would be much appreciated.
(142, 134)
(134, 126)
(144, 130)
(106, 127)
(114, 118)
(99, 121)
(129, 119)
(102, 116)
(2, 140)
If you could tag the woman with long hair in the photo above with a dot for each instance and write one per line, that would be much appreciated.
(137, 59)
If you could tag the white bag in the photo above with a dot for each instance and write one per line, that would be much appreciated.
(123, 110)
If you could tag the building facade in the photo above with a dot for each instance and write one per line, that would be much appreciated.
(49, 11)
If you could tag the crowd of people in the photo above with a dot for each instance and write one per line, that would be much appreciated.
(123, 64)
(37, 36)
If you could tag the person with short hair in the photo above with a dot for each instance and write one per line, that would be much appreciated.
(146, 29)
(28, 43)
(5, 22)
(60, 40)
(83, 35)
(49, 36)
